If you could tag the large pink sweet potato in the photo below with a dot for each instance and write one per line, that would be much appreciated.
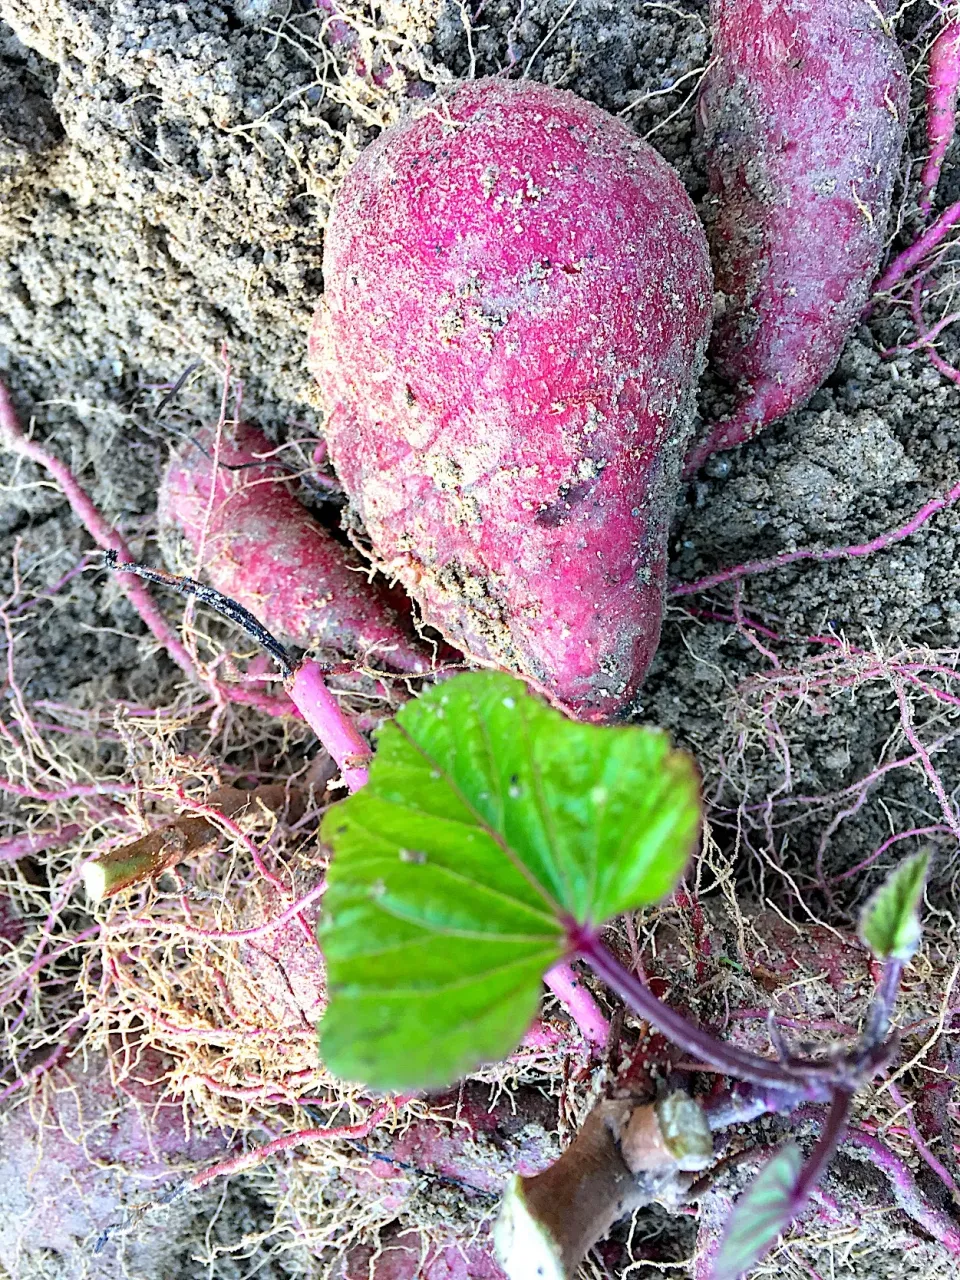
(804, 110)
(264, 549)
(517, 302)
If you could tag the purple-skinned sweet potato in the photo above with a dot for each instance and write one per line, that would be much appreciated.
(804, 111)
(265, 550)
(409, 1176)
(408, 1255)
(78, 1154)
(518, 299)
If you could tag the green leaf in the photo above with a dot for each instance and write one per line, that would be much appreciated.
(490, 824)
(761, 1214)
(890, 923)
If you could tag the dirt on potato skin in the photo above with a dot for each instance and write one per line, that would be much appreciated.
(165, 173)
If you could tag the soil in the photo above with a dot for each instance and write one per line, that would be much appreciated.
(165, 174)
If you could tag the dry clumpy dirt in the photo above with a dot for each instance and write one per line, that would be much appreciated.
(165, 173)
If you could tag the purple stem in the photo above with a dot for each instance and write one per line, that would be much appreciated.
(881, 1006)
(310, 695)
(823, 1152)
(803, 1082)
(579, 1003)
(906, 1192)
(744, 1103)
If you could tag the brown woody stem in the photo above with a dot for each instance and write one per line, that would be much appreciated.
(183, 838)
(624, 1156)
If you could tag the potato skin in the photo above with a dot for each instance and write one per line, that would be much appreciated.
(265, 550)
(804, 112)
(518, 298)
(79, 1153)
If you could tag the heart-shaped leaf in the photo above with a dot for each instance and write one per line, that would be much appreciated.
(490, 825)
(761, 1214)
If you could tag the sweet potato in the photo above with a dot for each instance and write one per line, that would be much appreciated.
(408, 1255)
(77, 1155)
(283, 975)
(265, 550)
(517, 304)
(804, 110)
(409, 1177)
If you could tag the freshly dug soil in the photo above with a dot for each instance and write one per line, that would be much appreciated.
(165, 174)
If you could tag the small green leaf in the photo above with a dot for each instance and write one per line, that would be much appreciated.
(890, 924)
(761, 1214)
(489, 824)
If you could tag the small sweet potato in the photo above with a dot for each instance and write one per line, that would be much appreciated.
(77, 1155)
(804, 110)
(265, 550)
(517, 303)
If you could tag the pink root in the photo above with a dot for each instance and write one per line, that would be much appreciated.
(219, 935)
(907, 1194)
(917, 832)
(224, 821)
(575, 997)
(931, 239)
(936, 359)
(855, 551)
(28, 1077)
(923, 1150)
(13, 437)
(251, 1159)
(926, 338)
(44, 958)
(81, 566)
(28, 842)
(933, 778)
(943, 79)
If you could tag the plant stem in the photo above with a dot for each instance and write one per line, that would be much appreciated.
(310, 695)
(823, 1152)
(147, 857)
(805, 1082)
(744, 1103)
(881, 1006)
